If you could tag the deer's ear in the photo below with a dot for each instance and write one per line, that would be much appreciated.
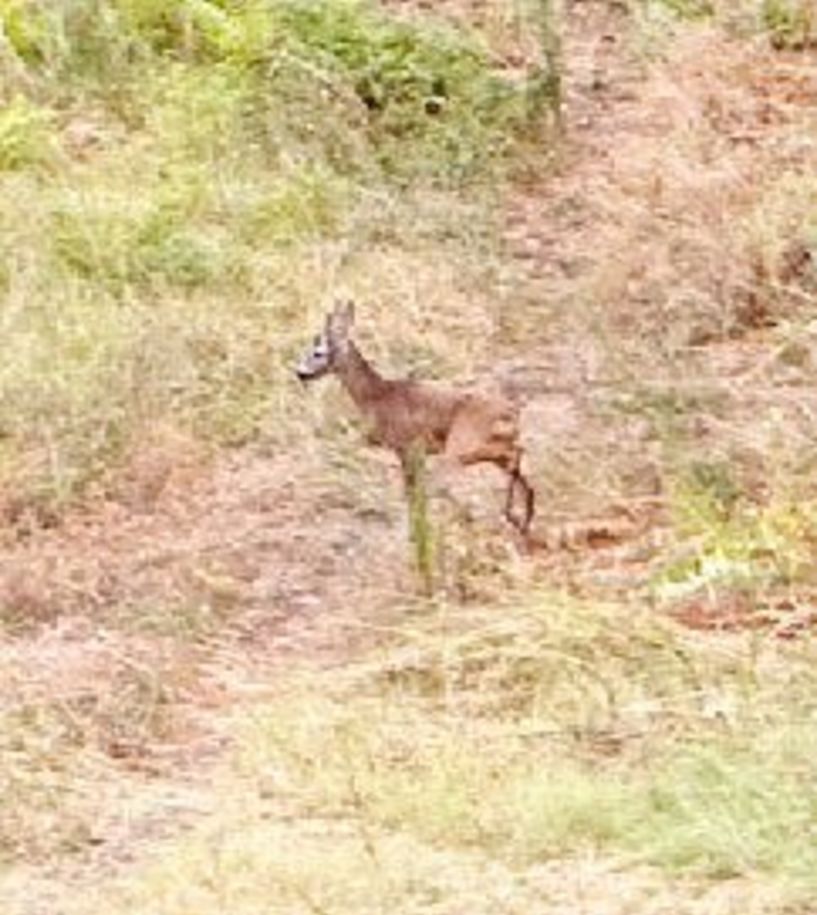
(344, 313)
(342, 317)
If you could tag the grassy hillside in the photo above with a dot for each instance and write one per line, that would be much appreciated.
(223, 688)
(493, 741)
(185, 185)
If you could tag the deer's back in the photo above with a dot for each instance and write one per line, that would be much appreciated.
(409, 413)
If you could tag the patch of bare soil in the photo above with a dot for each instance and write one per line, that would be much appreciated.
(226, 571)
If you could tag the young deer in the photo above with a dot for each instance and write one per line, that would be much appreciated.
(411, 417)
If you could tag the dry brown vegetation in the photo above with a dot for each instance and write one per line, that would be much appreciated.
(221, 688)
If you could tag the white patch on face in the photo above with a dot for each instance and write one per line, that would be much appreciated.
(316, 361)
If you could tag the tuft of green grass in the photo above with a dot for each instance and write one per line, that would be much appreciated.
(791, 23)
(726, 539)
(100, 240)
(739, 805)
(26, 135)
(421, 532)
(684, 9)
(307, 203)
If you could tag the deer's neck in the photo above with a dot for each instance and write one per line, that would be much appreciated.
(359, 378)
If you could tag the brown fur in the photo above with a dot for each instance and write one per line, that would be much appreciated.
(464, 425)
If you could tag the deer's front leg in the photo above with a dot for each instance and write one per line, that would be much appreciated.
(412, 466)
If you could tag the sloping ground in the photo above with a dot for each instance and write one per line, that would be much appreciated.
(649, 274)
(668, 312)
(267, 533)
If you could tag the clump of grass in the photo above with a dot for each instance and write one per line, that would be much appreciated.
(557, 730)
(546, 86)
(421, 534)
(753, 549)
(684, 9)
(429, 90)
(742, 523)
(737, 806)
(25, 135)
(101, 241)
(306, 204)
(791, 23)
(46, 808)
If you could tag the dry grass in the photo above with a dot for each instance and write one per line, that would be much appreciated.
(671, 269)
(554, 755)
(84, 713)
(503, 747)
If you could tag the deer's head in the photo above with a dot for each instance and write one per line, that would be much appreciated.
(330, 346)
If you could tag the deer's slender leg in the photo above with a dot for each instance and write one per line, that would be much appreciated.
(517, 480)
(409, 469)
(413, 463)
(464, 447)
(530, 504)
(513, 479)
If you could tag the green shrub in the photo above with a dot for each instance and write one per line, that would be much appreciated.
(426, 96)
(74, 32)
(107, 243)
(200, 113)
(792, 23)
(26, 28)
(432, 105)
(230, 142)
(25, 135)
(194, 28)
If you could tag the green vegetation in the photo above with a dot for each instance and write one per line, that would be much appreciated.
(512, 736)
(24, 135)
(792, 23)
(683, 9)
(171, 172)
(688, 754)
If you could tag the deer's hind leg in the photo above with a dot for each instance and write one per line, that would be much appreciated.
(516, 480)
(501, 448)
